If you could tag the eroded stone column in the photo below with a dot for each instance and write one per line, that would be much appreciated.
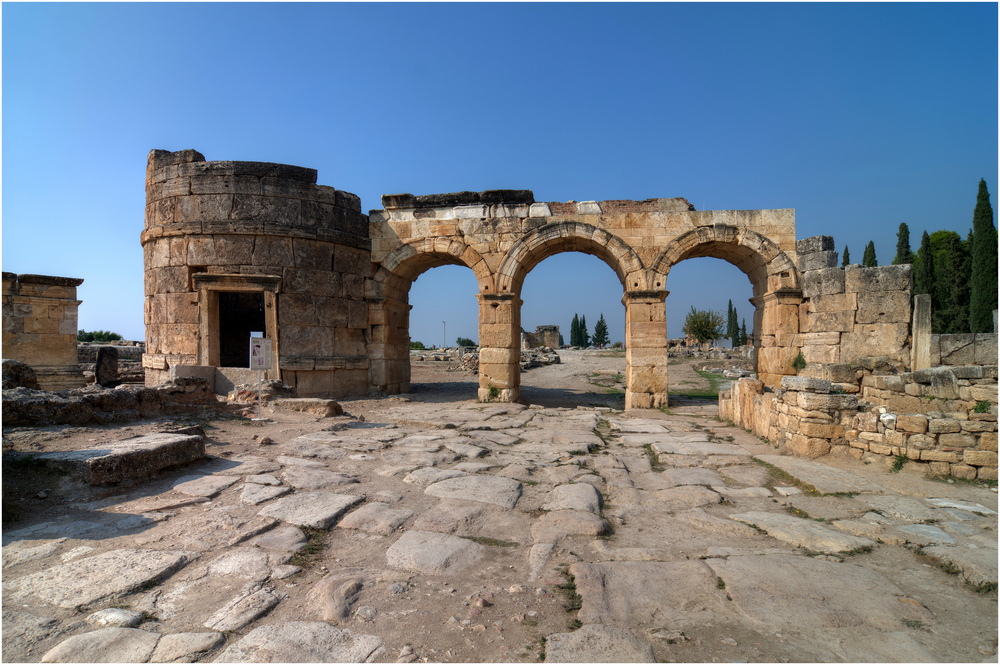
(499, 347)
(389, 345)
(780, 341)
(645, 349)
(921, 331)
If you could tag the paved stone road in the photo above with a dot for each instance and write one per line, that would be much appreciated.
(472, 532)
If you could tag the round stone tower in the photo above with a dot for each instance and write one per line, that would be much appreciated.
(234, 248)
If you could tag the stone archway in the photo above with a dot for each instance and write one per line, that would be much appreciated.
(389, 308)
(773, 276)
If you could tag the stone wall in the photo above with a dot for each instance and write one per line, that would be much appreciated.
(543, 336)
(853, 312)
(40, 316)
(968, 349)
(217, 228)
(944, 418)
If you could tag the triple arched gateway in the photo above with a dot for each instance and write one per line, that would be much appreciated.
(237, 247)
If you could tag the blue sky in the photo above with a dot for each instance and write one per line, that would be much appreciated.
(859, 116)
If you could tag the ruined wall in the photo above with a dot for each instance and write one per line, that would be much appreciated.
(40, 318)
(543, 336)
(944, 418)
(853, 312)
(255, 228)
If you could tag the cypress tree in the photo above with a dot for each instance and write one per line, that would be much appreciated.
(731, 323)
(953, 285)
(601, 332)
(869, 260)
(903, 253)
(584, 335)
(743, 334)
(923, 275)
(984, 264)
(574, 331)
(847, 258)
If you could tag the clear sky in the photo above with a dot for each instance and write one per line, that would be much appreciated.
(859, 116)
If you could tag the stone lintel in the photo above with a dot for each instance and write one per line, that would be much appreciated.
(645, 295)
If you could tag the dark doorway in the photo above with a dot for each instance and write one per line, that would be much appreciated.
(240, 313)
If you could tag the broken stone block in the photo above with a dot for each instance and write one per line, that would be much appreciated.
(128, 461)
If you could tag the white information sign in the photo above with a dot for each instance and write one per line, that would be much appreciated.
(260, 353)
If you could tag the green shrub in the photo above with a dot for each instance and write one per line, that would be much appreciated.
(799, 363)
(419, 346)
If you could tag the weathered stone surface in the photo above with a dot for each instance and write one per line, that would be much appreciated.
(86, 581)
(243, 610)
(130, 460)
(433, 553)
(686, 496)
(333, 596)
(286, 538)
(429, 475)
(926, 534)
(313, 509)
(108, 645)
(977, 566)
(825, 479)
(902, 508)
(692, 476)
(115, 617)
(185, 647)
(502, 492)
(781, 591)
(553, 527)
(802, 532)
(975, 508)
(17, 374)
(375, 517)
(206, 486)
(22, 630)
(577, 496)
(256, 494)
(302, 642)
(315, 479)
(324, 408)
(597, 643)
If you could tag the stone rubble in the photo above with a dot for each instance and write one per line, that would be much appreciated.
(645, 531)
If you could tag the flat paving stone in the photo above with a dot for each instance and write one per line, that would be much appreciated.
(87, 581)
(263, 479)
(901, 508)
(258, 494)
(313, 446)
(967, 506)
(576, 496)
(926, 534)
(597, 643)
(693, 476)
(977, 566)
(107, 645)
(318, 510)
(633, 593)
(749, 474)
(686, 496)
(302, 642)
(429, 475)
(465, 450)
(788, 592)
(803, 532)
(555, 526)
(206, 486)
(315, 479)
(825, 479)
(433, 553)
(285, 538)
(301, 461)
(128, 461)
(502, 492)
(474, 467)
(243, 610)
(185, 647)
(375, 517)
(24, 551)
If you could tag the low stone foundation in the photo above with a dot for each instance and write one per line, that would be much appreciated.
(945, 418)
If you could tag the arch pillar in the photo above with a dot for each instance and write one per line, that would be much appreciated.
(645, 349)
(499, 347)
(780, 341)
(389, 345)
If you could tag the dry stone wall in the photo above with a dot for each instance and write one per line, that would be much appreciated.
(40, 314)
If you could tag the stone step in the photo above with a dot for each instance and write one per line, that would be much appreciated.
(128, 461)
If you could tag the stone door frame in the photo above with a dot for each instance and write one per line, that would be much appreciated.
(208, 286)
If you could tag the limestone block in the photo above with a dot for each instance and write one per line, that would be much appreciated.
(348, 342)
(780, 318)
(921, 441)
(979, 458)
(306, 341)
(939, 456)
(825, 282)
(821, 430)
(977, 426)
(883, 307)
(963, 471)
(296, 310)
(817, 260)
(905, 403)
(831, 321)
(833, 402)
(956, 440)
(914, 423)
(645, 379)
(983, 392)
(500, 376)
(939, 468)
(647, 334)
(499, 356)
(988, 441)
(206, 207)
(987, 473)
(874, 340)
(859, 279)
(957, 349)
(821, 354)
(986, 349)
(815, 244)
(776, 360)
(834, 302)
(801, 383)
(806, 446)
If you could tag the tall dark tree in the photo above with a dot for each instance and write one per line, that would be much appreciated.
(903, 253)
(869, 260)
(574, 331)
(847, 258)
(744, 340)
(923, 274)
(601, 332)
(732, 326)
(952, 283)
(584, 335)
(984, 264)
